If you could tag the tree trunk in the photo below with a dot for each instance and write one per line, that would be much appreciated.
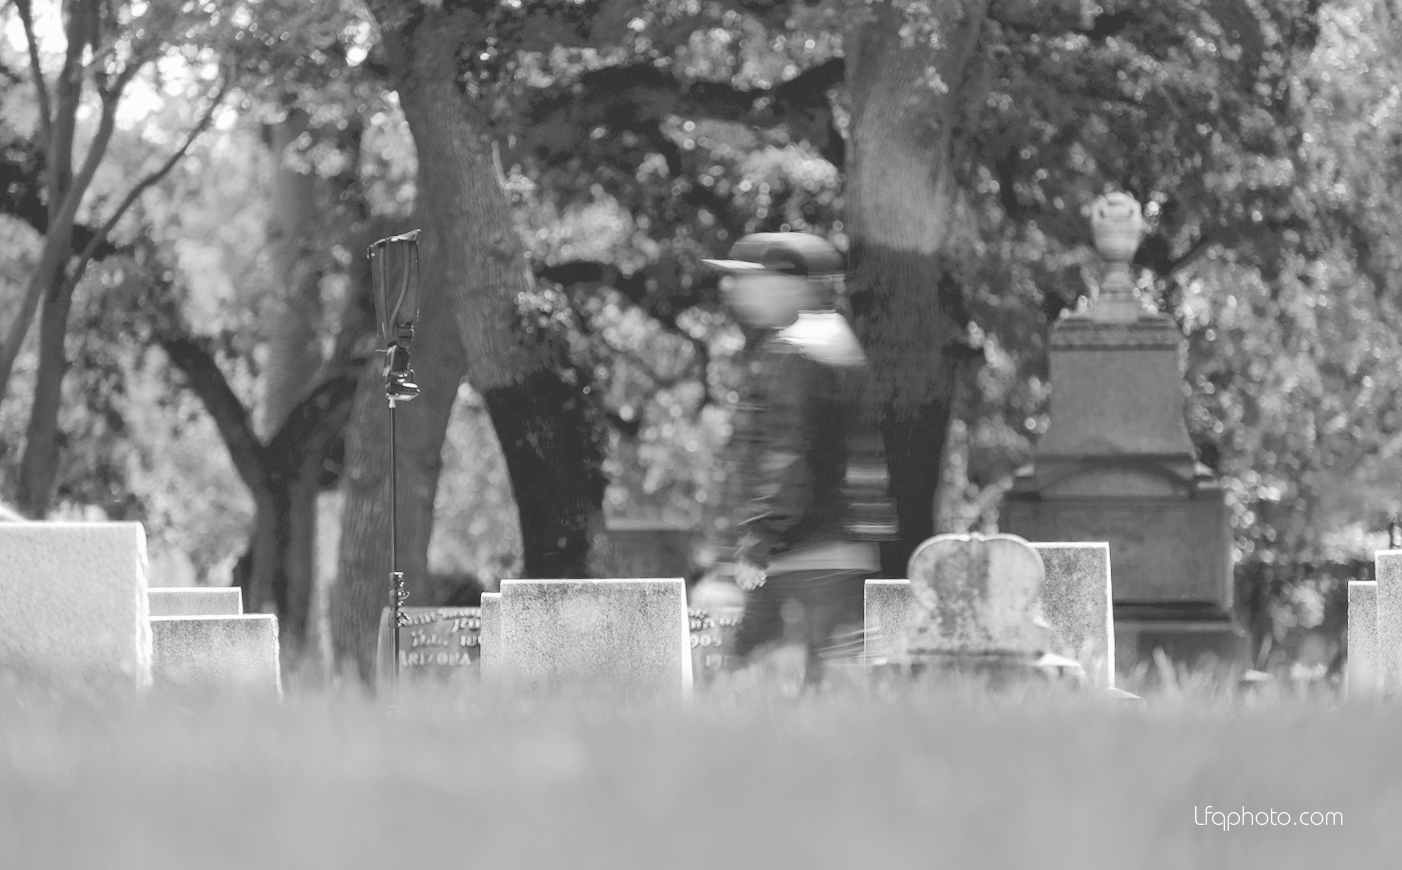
(280, 572)
(294, 357)
(901, 198)
(549, 433)
(546, 415)
(38, 470)
(295, 312)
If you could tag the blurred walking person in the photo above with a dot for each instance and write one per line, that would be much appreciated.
(814, 498)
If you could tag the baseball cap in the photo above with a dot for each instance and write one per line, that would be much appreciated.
(801, 254)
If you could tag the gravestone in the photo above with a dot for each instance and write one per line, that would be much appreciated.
(627, 637)
(1075, 596)
(978, 612)
(195, 600)
(1363, 677)
(1076, 600)
(713, 641)
(436, 643)
(712, 624)
(715, 609)
(976, 595)
(73, 605)
(1388, 571)
(216, 654)
(889, 608)
(1116, 464)
(489, 636)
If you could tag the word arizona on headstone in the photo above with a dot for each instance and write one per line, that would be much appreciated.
(440, 643)
(73, 606)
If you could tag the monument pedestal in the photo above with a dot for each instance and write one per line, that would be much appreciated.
(646, 548)
(1116, 465)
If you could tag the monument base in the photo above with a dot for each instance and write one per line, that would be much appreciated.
(1195, 642)
(994, 671)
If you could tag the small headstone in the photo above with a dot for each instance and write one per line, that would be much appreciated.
(889, 607)
(195, 600)
(977, 595)
(713, 640)
(716, 607)
(436, 643)
(73, 607)
(489, 637)
(216, 653)
(1076, 601)
(1388, 570)
(1076, 604)
(1363, 679)
(627, 637)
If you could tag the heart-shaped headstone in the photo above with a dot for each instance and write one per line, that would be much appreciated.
(977, 595)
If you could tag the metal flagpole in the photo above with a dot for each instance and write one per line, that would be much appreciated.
(396, 307)
(396, 577)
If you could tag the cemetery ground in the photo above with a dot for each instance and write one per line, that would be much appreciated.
(742, 777)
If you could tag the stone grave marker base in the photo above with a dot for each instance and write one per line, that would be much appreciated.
(195, 600)
(997, 670)
(216, 654)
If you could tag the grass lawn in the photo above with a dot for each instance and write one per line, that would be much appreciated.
(923, 780)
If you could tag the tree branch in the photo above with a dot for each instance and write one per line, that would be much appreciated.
(1103, 26)
(193, 358)
(581, 273)
(58, 241)
(26, 18)
(638, 97)
(149, 179)
(312, 424)
(69, 91)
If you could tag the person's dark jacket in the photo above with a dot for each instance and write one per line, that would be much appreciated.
(811, 464)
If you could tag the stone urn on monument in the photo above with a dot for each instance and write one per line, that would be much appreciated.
(1116, 464)
(1117, 225)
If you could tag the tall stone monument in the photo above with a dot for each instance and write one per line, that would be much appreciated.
(1116, 464)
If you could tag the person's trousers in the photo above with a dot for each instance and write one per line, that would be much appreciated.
(801, 607)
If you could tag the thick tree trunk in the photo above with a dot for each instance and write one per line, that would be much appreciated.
(285, 575)
(301, 570)
(38, 470)
(544, 411)
(294, 314)
(280, 572)
(549, 435)
(901, 200)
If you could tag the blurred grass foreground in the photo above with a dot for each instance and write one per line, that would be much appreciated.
(919, 779)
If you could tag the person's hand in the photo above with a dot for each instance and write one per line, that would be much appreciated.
(748, 576)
